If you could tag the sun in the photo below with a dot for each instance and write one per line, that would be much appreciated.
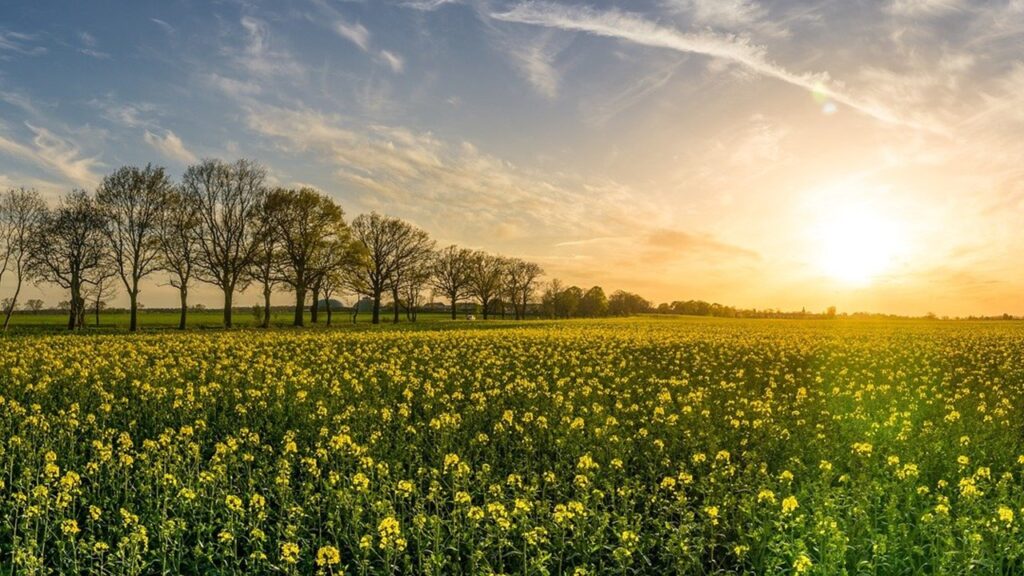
(857, 244)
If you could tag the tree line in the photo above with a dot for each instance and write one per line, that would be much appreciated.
(223, 225)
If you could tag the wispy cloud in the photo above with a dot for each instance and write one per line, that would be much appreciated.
(737, 50)
(170, 146)
(167, 28)
(429, 5)
(394, 61)
(55, 154)
(354, 32)
(260, 57)
(89, 47)
(924, 7)
(19, 43)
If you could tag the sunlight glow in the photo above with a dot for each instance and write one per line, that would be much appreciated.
(858, 243)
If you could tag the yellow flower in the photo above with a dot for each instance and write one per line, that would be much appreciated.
(234, 503)
(765, 495)
(789, 504)
(802, 564)
(327, 556)
(1005, 515)
(289, 552)
(70, 527)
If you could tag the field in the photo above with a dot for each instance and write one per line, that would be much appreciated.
(639, 446)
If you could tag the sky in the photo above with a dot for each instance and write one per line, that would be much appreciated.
(757, 153)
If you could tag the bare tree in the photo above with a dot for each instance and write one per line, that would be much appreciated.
(450, 274)
(34, 304)
(264, 263)
(68, 247)
(520, 284)
(133, 201)
(486, 272)
(179, 248)
(414, 280)
(383, 245)
(101, 288)
(313, 236)
(22, 213)
(228, 198)
(413, 249)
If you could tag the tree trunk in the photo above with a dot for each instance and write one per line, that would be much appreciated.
(394, 295)
(184, 307)
(329, 311)
(227, 307)
(266, 306)
(376, 307)
(97, 313)
(314, 308)
(133, 304)
(300, 306)
(486, 305)
(14, 302)
(73, 315)
(455, 304)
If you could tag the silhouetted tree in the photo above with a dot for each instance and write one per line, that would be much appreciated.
(132, 201)
(178, 236)
(486, 272)
(227, 198)
(450, 274)
(520, 284)
(312, 233)
(384, 246)
(68, 246)
(594, 303)
(22, 213)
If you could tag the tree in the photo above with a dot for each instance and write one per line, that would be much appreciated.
(228, 198)
(22, 213)
(550, 296)
(520, 284)
(450, 274)
(486, 272)
(177, 235)
(624, 303)
(132, 201)
(68, 246)
(414, 280)
(34, 304)
(413, 249)
(264, 262)
(312, 232)
(594, 303)
(383, 246)
(102, 288)
(567, 302)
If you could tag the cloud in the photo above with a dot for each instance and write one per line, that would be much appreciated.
(89, 47)
(736, 50)
(723, 14)
(127, 115)
(394, 61)
(171, 146)
(453, 185)
(534, 59)
(260, 58)
(354, 33)
(923, 7)
(55, 154)
(19, 43)
(167, 28)
(429, 5)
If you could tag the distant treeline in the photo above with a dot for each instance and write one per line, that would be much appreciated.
(223, 224)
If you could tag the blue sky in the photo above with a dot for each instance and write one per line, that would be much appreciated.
(731, 150)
